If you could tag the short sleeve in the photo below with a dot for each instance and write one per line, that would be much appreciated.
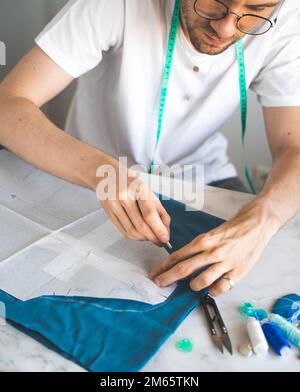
(79, 34)
(278, 82)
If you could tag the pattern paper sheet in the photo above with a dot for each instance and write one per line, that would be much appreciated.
(77, 251)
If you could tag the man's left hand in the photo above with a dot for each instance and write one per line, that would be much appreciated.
(230, 251)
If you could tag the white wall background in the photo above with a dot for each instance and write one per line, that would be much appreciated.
(257, 150)
(22, 20)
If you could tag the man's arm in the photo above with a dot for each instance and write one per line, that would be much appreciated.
(232, 249)
(282, 190)
(25, 131)
(29, 134)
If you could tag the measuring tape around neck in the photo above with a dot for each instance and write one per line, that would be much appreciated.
(166, 74)
(165, 84)
(240, 55)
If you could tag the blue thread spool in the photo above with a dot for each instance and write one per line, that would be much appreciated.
(276, 339)
(288, 330)
(288, 307)
(260, 314)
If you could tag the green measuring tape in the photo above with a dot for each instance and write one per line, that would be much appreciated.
(166, 74)
(240, 55)
(165, 84)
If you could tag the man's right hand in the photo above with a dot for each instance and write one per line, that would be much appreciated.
(131, 206)
(28, 133)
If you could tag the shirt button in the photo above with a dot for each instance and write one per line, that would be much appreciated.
(196, 69)
(187, 97)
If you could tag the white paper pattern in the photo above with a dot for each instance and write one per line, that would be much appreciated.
(52, 243)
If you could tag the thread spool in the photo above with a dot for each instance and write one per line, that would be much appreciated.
(276, 339)
(288, 330)
(288, 307)
(247, 309)
(246, 349)
(257, 337)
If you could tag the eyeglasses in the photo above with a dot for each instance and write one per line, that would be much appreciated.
(247, 23)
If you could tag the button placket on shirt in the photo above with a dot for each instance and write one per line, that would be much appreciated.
(188, 97)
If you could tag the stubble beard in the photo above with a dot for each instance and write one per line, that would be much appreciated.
(206, 48)
(193, 31)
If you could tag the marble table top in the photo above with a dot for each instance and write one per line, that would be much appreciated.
(276, 274)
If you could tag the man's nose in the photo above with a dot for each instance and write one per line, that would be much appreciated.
(226, 27)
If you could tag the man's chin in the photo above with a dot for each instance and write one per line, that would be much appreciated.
(204, 46)
(212, 50)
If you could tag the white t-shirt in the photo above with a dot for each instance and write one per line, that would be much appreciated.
(118, 50)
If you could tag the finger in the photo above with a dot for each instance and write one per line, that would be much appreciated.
(134, 214)
(164, 216)
(114, 219)
(118, 224)
(152, 218)
(182, 254)
(182, 270)
(208, 277)
(222, 286)
(124, 220)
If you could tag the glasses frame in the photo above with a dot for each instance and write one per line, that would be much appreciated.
(272, 22)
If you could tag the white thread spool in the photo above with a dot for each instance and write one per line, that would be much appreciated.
(257, 337)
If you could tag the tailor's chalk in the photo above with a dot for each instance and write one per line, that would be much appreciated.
(169, 245)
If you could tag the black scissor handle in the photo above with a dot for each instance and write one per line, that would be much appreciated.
(211, 302)
(205, 300)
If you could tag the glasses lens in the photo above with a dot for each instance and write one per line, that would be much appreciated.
(254, 25)
(210, 9)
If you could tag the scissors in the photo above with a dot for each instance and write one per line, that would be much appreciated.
(213, 317)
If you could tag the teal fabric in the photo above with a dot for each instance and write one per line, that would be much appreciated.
(113, 335)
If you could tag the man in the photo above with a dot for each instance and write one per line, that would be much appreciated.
(120, 47)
